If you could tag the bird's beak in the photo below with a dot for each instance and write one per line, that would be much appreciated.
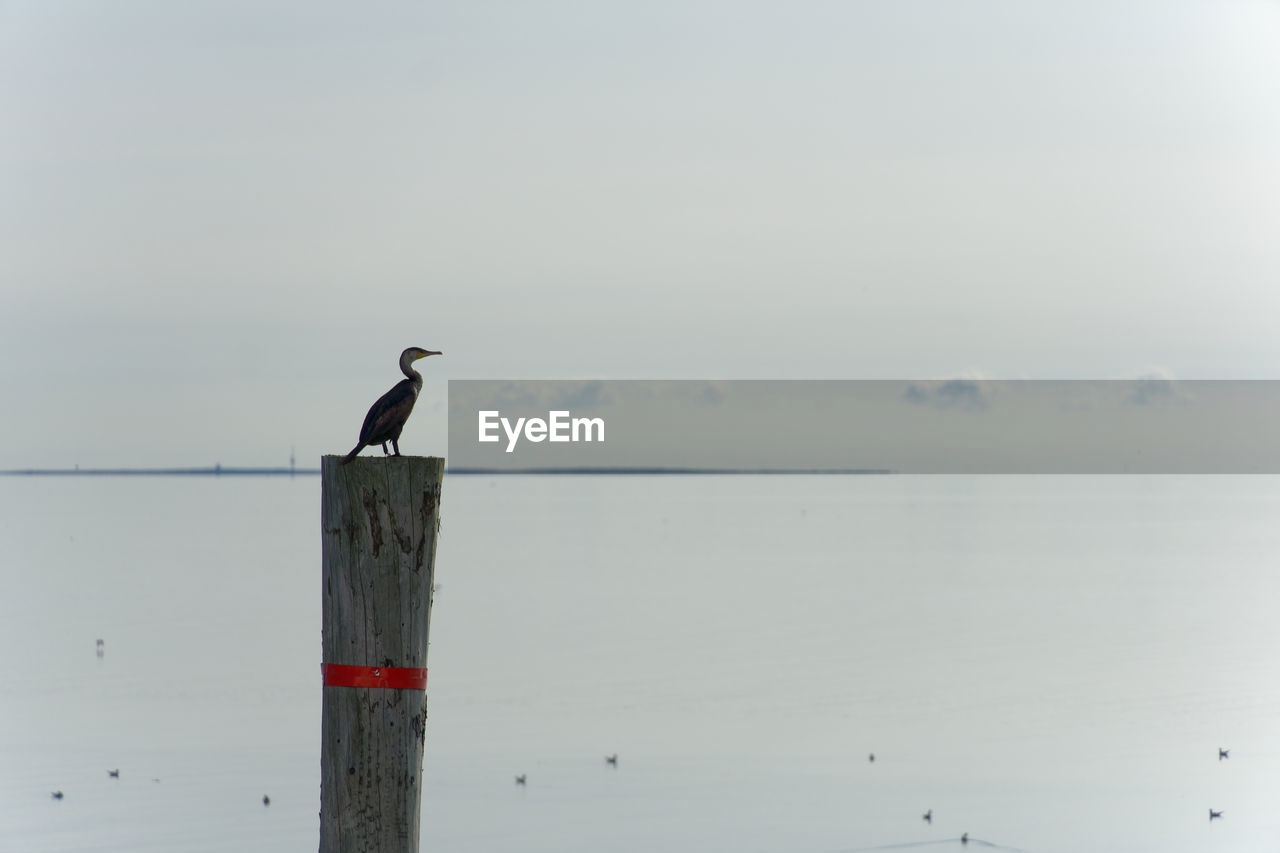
(427, 352)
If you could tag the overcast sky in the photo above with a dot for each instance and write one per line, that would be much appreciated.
(221, 222)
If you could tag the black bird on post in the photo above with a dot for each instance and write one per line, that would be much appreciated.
(387, 416)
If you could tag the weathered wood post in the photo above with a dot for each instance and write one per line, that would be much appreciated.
(379, 517)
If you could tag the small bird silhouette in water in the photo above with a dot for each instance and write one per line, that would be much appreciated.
(266, 801)
(611, 760)
(872, 758)
(114, 774)
(520, 780)
(927, 817)
(57, 795)
(100, 648)
(386, 417)
(964, 839)
(1214, 815)
(1223, 753)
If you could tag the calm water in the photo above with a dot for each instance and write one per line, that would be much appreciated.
(1048, 663)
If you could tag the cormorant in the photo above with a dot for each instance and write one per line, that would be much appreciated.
(57, 795)
(266, 801)
(1214, 815)
(387, 416)
(927, 817)
(1223, 753)
(611, 759)
(114, 774)
(520, 780)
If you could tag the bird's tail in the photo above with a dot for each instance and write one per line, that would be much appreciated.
(352, 454)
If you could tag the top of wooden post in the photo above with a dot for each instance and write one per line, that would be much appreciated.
(380, 516)
(404, 457)
(428, 466)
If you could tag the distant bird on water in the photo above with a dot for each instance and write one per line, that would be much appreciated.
(520, 780)
(1223, 753)
(611, 759)
(927, 817)
(266, 801)
(57, 795)
(387, 416)
(114, 774)
(1214, 815)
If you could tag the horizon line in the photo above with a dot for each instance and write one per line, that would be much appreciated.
(219, 471)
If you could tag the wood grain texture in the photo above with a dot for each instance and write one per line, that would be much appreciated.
(380, 517)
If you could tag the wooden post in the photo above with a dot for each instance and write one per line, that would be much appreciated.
(380, 517)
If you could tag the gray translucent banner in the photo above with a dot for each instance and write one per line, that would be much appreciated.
(958, 426)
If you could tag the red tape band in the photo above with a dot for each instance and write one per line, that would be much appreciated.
(395, 677)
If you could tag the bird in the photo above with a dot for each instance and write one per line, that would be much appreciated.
(520, 779)
(1214, 815)
(1223, 753)
(927, 817)
(57, 795)
(611, 759)
(100, 648)
(964, 839)
(387, 416)
(114, 774)
(872, 758)
(266, 801)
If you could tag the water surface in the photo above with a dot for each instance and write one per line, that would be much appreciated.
(1048, 663)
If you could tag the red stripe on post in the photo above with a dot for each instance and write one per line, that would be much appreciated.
(395, 677)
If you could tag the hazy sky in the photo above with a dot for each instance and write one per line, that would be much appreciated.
(221, 222)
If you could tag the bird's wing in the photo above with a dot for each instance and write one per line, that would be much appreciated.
(391, 407)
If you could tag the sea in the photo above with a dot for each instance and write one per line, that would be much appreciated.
(782, 664)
